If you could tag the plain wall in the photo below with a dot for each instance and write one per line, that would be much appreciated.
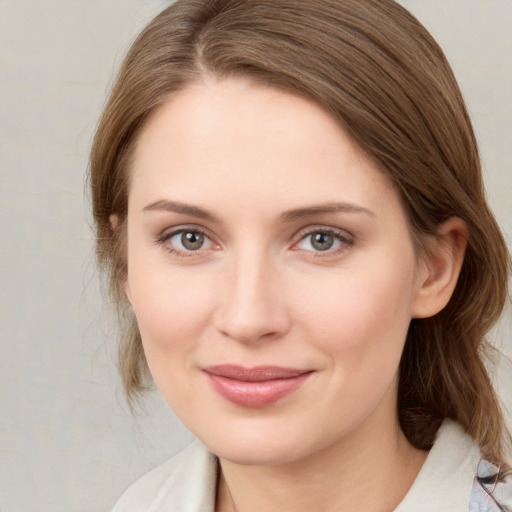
(68, 441)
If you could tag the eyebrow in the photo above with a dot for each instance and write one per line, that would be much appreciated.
(178, 207)
(288, 216)
(300, 213)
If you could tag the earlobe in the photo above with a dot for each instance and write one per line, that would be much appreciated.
(441, 268)
(127, 292)
(114, 221)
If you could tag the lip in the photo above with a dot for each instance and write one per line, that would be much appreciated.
(255, 387)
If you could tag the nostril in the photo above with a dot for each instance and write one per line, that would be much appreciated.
(252, 322)
(248, 333)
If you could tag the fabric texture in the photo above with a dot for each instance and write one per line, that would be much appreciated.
(454, 478)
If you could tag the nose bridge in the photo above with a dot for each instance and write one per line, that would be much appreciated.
(251, 307)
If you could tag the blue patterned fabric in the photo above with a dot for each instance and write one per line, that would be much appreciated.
(492, 489)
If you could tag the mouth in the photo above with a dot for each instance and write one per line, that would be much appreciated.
(255, 387)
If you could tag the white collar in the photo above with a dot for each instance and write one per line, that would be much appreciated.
(187, 482)
(445, 481)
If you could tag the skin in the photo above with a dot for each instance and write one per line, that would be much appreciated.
(258, 292)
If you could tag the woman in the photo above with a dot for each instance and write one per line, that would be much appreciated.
(289, 205)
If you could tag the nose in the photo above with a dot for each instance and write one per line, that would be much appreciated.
(251, 305)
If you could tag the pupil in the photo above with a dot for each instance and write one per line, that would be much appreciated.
(322, 241)
(192, 241)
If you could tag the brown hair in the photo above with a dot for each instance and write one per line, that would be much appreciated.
(376, 69)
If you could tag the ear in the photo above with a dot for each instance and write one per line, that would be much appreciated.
(440, 269)
(114, 225)
(114, 221)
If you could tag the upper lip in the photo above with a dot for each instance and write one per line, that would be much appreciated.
(254, 374)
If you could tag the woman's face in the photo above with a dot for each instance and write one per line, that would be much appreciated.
(271, 272)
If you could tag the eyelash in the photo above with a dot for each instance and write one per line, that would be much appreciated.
(345, 240)
(168, 235)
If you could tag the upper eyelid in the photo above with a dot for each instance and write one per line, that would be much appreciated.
(319, 228)
(304, 231)
(298, 235)
(345, 238)
(163, 240)
(171, 231)
(165, 235)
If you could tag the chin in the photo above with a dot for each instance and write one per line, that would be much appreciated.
(258, 453)
(262, 443)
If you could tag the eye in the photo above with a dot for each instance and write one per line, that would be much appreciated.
(189, 240)
(324, 240)
(185, 240)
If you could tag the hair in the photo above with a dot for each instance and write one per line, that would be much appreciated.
(380, 74)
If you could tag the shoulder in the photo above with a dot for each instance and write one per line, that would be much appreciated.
(186, 482)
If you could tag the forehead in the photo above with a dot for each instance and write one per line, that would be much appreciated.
(221, 139)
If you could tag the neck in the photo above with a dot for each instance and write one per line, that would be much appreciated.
(371, 472)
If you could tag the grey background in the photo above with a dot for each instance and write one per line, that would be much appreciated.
(68, 441)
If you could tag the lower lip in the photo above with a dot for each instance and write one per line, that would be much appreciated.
(255, 395)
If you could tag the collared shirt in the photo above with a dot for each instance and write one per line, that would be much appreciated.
(454, 478)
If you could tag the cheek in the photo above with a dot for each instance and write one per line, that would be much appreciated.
(172, 310)
(363, 316)
(360, 323)
(172, 314)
